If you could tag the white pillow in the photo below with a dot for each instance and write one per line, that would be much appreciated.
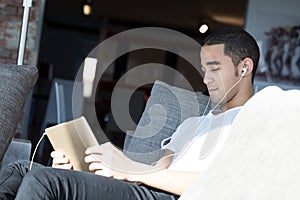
(261, 156)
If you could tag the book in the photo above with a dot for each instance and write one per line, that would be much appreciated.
(73, 138)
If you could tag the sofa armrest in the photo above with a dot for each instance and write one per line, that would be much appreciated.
(15, 85)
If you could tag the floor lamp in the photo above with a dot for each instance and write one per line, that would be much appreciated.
(26, 4)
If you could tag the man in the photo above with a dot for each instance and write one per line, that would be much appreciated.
(229, 60)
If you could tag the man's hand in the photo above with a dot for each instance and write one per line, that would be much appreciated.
(107, 160)
(60, 160)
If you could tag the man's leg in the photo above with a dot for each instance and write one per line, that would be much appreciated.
(11, 177)
(50, 183)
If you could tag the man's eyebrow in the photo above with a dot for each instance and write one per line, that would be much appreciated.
(213, 63)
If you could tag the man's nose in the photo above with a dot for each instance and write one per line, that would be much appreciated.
(207, 78)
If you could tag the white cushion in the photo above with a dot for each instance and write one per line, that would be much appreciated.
(261, 156)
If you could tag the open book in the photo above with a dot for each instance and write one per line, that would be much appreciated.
(73, 138)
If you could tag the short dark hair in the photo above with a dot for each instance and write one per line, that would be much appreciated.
(238, 45)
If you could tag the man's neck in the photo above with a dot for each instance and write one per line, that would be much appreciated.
(240, 99)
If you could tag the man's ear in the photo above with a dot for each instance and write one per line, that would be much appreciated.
(248, 64)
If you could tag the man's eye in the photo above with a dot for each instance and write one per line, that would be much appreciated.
(215, 69)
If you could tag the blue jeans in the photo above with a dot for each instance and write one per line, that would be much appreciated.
(17, 182)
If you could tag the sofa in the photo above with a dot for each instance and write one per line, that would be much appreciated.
(260, 159)
(16, 82)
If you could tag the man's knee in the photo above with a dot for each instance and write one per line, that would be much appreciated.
(37, 175)
(23, 165)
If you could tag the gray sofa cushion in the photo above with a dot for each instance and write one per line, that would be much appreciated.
(15, 85)
(167, 107)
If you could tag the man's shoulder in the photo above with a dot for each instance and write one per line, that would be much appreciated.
(195, 119)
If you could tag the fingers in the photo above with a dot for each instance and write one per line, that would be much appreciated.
(105, 154)
(105, 160)
(92, 158)
(97, 166)
(60, 160)
(93, 150)
(57, 154)
(102, 172)
(100, 169)
(99, 149)
(63, 166)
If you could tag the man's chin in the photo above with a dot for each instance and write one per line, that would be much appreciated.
(216, 101)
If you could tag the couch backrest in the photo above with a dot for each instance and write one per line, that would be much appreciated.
(167, 107)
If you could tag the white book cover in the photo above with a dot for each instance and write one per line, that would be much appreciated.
(73, 138)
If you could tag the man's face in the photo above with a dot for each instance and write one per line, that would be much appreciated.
(219, 73)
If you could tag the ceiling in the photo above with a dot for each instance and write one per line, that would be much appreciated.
(167, 13)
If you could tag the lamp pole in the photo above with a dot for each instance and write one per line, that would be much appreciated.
(26, 4)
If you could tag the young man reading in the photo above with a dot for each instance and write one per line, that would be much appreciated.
(229, 59)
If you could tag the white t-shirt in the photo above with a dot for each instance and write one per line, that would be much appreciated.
(198, 139)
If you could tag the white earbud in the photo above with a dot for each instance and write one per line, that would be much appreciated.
(244, 70)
